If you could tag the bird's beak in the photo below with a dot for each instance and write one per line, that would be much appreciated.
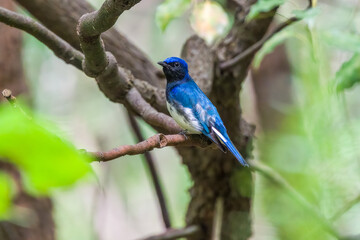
(164, 64)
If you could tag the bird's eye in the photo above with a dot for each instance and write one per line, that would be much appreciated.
(176, 64)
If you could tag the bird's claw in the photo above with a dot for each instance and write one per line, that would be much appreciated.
(184, 133)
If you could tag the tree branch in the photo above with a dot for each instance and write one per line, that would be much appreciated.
(153, 172)
(60, 48)
(190, 231)
(253, 48)
(91, 26)
(157, 141)
(62, 19)
(256, 46)
(116, 83)
(12, 100)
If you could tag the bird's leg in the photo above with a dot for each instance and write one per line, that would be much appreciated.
(184, 133)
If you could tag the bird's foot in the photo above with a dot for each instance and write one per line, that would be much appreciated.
(184, 133)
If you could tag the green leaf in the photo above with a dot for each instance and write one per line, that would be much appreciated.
(5, 195)
(262, 6)
(271, 44)
(45, 160)
(349, 74)
(342, 40)
(306, 14)
(169, 10)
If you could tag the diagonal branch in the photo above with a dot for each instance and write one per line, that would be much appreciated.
(157, 141)
(253, 48)
(91, 26)
(256, 46)
(60, 48)
(116, 83)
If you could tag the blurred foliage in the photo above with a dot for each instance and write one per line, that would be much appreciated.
(209, 21)
(317, 148)
(285, 34)
(169, 10)
(208, 18)
(6, 191)
(349, 74)
(263, 6)
(45, 160)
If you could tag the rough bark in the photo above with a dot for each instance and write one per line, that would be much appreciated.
(41, 224)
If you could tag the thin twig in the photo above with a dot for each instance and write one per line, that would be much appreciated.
(12, 100)
(153, 172)
(190, 231)
(61, 49)
(218, 218)
(256, 46)
(157, 141)
(278, 179)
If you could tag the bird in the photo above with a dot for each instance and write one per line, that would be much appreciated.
(192, 109)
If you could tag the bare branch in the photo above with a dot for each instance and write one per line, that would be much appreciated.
(253, 48)
(62, 19)
(153, 172)
(256, 46)
(60, 48)
(12, 100)
(190, 231)
(89, 29)
(115, 82)
(157, 141)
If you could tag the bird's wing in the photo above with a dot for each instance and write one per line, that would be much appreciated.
(213, 126)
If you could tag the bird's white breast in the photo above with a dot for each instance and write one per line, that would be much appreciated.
(190, 123)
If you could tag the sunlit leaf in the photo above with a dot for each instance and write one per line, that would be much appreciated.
(342, 40)
(209, 21)
(45, 160)
(305, 14)
(271, 44)
(349, 74)
(5, 195)
(169, 10)
(263, 6)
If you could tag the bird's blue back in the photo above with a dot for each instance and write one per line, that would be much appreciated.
(192, 109)
(189, 95)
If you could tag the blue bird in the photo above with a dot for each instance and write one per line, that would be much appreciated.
(192, 109)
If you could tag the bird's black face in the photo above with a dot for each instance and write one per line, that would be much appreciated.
(175, 69)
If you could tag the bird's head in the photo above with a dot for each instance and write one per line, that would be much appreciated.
(175, 68)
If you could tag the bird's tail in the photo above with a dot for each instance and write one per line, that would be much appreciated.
(225, 140)
(229, 145)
